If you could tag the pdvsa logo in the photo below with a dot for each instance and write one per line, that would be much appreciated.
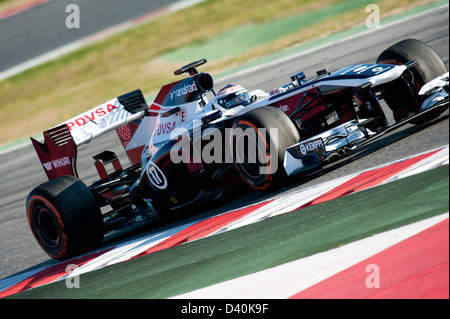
(91, 116)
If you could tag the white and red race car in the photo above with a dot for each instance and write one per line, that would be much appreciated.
(186, 149)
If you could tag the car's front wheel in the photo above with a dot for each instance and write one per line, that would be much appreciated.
(399, 97)
(259, 140)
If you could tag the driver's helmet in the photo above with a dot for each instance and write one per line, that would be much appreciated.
(232, 96)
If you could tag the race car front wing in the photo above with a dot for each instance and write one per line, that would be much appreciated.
(304, 156)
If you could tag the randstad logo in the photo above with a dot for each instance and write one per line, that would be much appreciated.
(188, 88)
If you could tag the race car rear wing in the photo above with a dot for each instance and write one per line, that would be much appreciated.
(107, 116)
(58, 152)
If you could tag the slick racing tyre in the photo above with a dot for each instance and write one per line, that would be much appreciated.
(259, 139)
(429, 66)
(64, 217)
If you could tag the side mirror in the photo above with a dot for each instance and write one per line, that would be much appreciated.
(298, 77)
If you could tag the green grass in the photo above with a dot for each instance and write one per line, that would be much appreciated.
(138, 58)
(249, 36)
(265, 244)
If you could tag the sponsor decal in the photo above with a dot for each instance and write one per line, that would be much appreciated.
(311, 146)
(182, 116)
(355, 69)
(155, 176)
(188, 88)
(276, 91)
(94, 115)
(304, 148)
(57, 163)
(165, 128)
(124, 132)
(363, 68)
(284, 108)
(380, 69)
(360, 69)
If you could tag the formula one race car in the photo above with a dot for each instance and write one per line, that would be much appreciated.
(184, 149)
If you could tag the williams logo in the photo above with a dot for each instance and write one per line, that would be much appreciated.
(57, 163)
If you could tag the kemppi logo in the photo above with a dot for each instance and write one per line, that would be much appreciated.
(155, 176)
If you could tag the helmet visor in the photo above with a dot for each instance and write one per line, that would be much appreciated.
(235, 99)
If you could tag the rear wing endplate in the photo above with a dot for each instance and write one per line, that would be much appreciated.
(58, 153)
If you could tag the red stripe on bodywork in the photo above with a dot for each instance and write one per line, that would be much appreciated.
(162, 94)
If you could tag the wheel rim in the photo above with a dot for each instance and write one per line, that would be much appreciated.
(249, 161)
(46, 226)
(250, 164)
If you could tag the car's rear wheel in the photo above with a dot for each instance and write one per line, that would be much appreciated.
(64, 217)
(259, 139)
(429, 66)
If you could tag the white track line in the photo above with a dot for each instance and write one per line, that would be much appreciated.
(290, 278)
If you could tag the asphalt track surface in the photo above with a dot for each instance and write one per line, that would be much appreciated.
(42, 28)
(20, 169)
